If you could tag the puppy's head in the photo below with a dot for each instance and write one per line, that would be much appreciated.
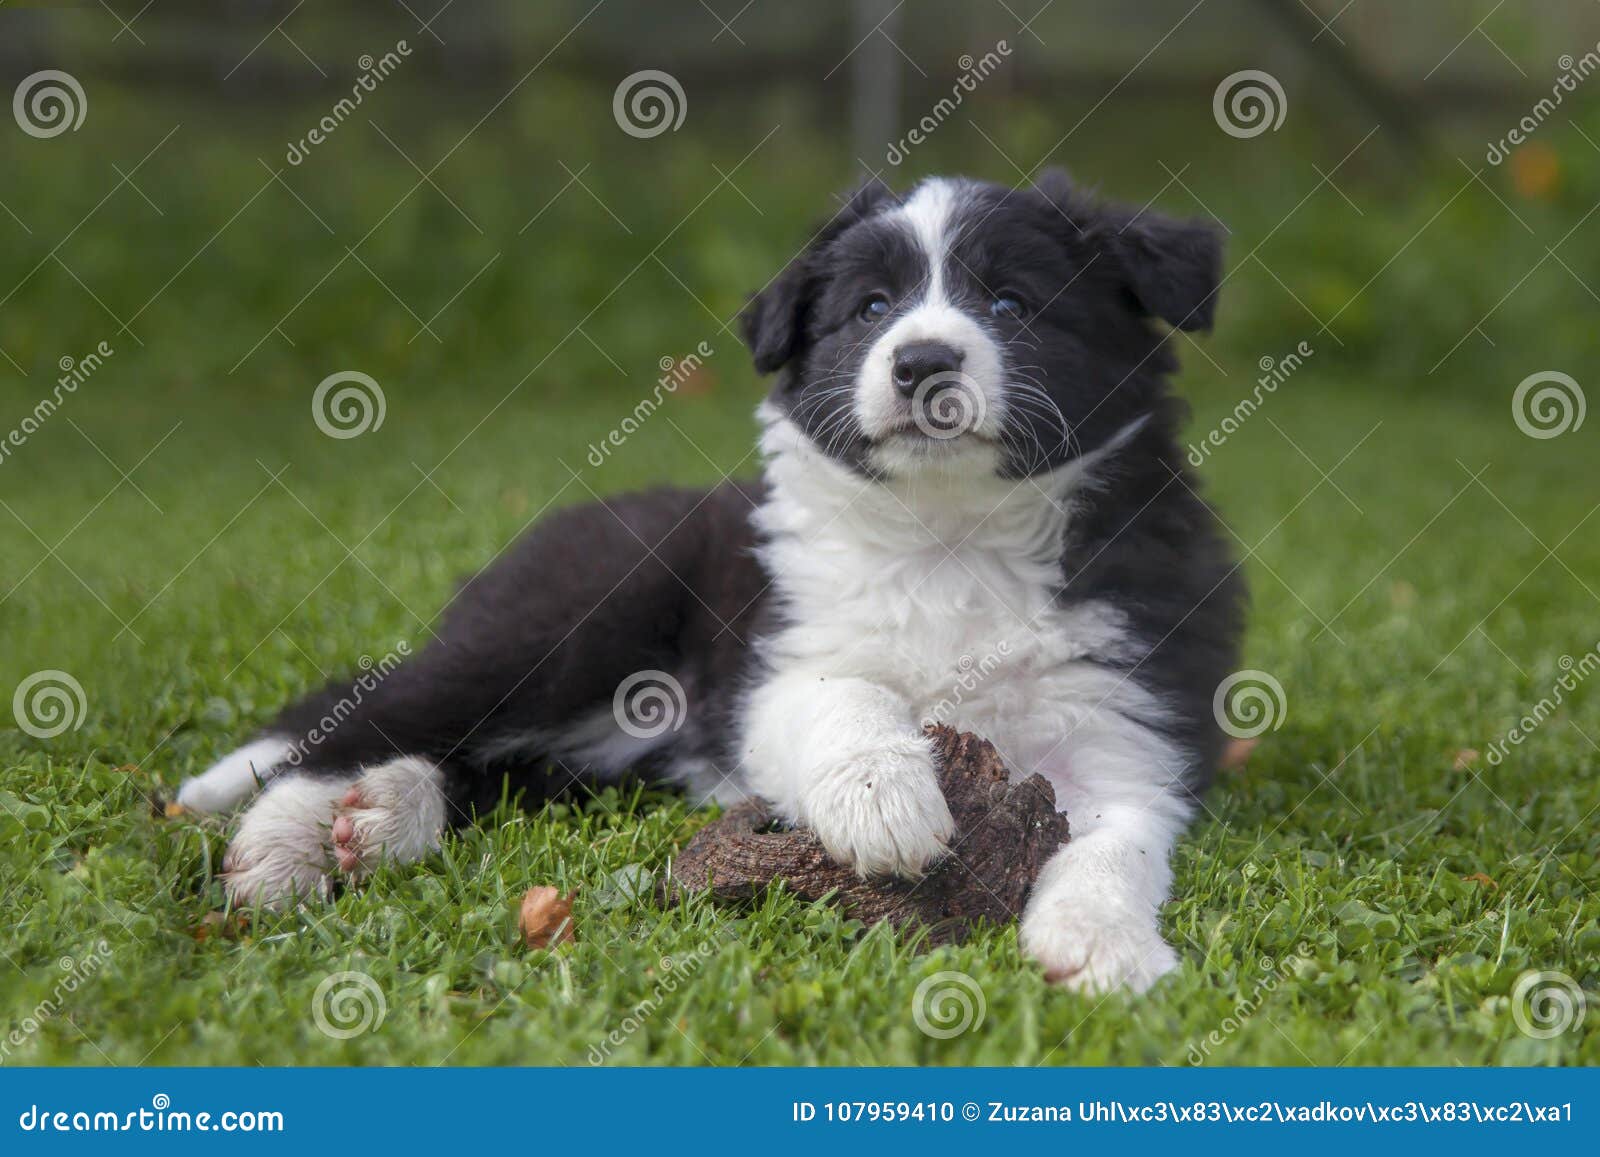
(971, 327)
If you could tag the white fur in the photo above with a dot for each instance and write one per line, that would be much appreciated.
(401, 813)
(283, 850)
(845, 757)
(889, 593)
(235, 777)
(284, 847)
(879, 407)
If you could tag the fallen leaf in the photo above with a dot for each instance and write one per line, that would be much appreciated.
(546, 918)
(1480, 878)
(1465, 758)
(1237, 753)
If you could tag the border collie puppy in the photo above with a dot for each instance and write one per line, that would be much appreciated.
(973, 510)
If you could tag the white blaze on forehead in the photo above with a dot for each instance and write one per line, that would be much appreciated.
(929, 214)
(930, 217)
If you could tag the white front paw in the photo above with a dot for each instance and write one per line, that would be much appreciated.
(882, 812)
(1095, 946)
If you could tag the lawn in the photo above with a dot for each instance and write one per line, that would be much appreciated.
(183, 542)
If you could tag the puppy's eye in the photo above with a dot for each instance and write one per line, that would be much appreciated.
(874, 308)
(1008, 307)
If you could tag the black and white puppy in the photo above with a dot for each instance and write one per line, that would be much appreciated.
(973, 510)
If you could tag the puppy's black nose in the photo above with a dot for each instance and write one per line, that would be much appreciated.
(917, 361)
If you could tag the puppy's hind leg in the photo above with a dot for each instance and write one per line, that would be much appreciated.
(395, 811)
(309, 827)
(283, 849)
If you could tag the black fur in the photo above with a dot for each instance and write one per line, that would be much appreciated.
(544, 637)
(668, 580)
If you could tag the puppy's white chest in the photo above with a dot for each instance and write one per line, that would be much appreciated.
(972, 638)
(946, 596)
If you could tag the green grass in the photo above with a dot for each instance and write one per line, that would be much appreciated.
(1408, 610)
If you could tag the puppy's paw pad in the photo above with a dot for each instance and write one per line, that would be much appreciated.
(394, 812)
(345, 846)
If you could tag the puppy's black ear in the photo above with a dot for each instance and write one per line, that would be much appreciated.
(774, 320)
(771, 321)
(1173, 268)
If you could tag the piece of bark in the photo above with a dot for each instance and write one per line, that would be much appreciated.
(1004, 834)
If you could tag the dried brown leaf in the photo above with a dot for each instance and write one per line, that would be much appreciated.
(546, 918)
